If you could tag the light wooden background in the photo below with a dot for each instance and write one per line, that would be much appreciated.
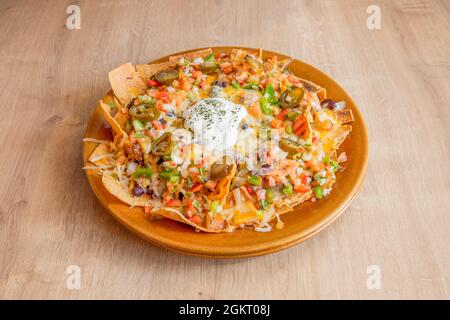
(51, 78)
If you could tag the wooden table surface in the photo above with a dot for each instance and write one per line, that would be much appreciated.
(51, 78)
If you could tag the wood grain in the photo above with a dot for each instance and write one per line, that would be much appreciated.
(51, 78)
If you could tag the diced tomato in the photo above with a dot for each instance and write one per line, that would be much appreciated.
(153, 83)
(276, 123)
(163, 96)
(196, 74)
(185, 84)
(196, 219)
(315, 139)
(301, 130)
(189, 204)
(174, 203)
(282, 114)
(304, 178)
(299, 126)
(196, 187)
(301, 188)
(263, 83)
(298, 123)
(226, 67)
(156, 125)
(159, 106)
(250, 189)
(148, 209)
(227, 70)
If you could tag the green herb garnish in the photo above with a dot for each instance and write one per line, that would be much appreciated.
(288, 189)
(254, 180)
(318, 192)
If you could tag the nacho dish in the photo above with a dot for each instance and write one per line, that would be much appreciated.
(219, 140)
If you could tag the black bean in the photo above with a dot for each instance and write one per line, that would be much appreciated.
(131, 104)
(220, 83)
(149, 191)
(138, 190)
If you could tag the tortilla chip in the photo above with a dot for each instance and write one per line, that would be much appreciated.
(191, 55)
(126, 83)
(121, 119)
(115, 188)
(286, 205)
(113, 123)
(345, 116)
(312, 87)
(339, 139)
(146, 71)
(338, 135)
(102, 149)
(223, 187)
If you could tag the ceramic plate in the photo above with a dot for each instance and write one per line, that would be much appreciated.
(305, 221)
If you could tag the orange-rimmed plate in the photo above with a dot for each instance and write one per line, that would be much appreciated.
(306, 220)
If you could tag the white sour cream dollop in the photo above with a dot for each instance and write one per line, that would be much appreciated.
(215, 123)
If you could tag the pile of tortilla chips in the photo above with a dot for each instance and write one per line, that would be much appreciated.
(128, 82)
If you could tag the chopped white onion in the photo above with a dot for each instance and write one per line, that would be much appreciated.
(339, 106)
(342, 157)
(198, 60)
(131, 167)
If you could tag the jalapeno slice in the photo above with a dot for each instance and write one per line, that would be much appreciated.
(209, 67)
(166, 76)
(291, 97)
(163, 145)
(253, 63)
(220, 170)
(145, 112)
(290, 146)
